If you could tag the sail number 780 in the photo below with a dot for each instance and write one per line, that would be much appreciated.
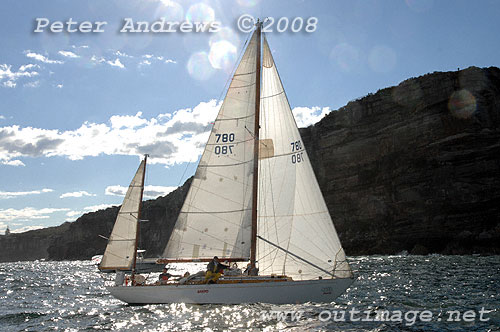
(224, 138)
(298, 154)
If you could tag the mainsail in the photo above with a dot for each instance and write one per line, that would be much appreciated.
(292, 211)
(120, 252)
(215, 219)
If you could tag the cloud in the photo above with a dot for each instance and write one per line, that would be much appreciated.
(122, 54)
(13, 163)
(167, 138)
(59, 86)
(2, 117)
(94, 208)
(34, 84)
(28, 213)
(76, 194)
(68, 54)
(115, 63)
(150, 58)
(11, 194)
(306, 116)
(28, 66)
(127, 121)
(26, 229)
(149, 191)
(96, 59)
(9, 77)
(41, 58)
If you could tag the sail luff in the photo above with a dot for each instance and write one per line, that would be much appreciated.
(255, 184)
(120, 250)
(137, 232)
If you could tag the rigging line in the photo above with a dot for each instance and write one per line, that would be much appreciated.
(296, 256)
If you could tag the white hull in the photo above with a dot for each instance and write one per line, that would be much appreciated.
(326, 290)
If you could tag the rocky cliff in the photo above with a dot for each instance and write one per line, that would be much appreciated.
(413, 168)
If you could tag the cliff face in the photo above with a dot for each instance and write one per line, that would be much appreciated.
(81, 240)
(414, 167)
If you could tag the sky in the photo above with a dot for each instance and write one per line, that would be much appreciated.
(78, 109)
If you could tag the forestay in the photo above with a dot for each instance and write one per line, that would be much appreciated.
(215, 219)
(291, 208)
(119, 254)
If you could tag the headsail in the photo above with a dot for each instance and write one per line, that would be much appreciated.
(292, 211)
(215, 219)
(120, 252)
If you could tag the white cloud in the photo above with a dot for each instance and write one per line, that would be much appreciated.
(127, 121)
(9, 84)
(34, 84)
(168, 138)
(306, 116)
(41, 58)
(115, 63)
(68, 54)
(74, 213)
(11, 194)
(59, 86)
(97, 59)
(13, 163)
(76, 194)
(2, 117)
(152, 57)
(122, 54)
(26, 229)
(28, 213)
(94, 208)
(28, 66)
(149, 191)
(10, 77)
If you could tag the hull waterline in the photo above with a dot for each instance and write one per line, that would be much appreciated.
(326, 290)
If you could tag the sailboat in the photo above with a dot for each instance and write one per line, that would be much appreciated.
(121, 252)
(254, 199)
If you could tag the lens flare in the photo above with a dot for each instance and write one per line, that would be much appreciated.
(199, 66)
(462, 104)
(225, 34)
(345, 56)
(248, 3)
(171, 11)
(222, 55)
(200, 12)
(382, 59)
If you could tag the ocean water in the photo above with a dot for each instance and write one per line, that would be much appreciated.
(390, 293)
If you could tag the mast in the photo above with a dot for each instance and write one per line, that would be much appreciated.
(138, 220)
(253, 244)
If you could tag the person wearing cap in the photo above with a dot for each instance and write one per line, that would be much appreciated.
(214, 270)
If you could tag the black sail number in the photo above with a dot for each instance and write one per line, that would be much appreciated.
(224, 148)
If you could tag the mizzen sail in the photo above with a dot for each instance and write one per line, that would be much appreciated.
(120, 251)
